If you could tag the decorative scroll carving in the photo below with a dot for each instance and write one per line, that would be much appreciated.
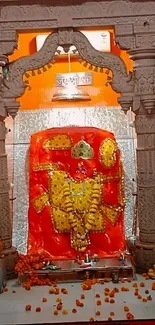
(15, 86)
(122, 81)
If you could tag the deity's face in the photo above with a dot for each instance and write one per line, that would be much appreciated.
(81, 169)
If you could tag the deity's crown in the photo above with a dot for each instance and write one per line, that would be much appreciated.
(58, 142)
(82, 150)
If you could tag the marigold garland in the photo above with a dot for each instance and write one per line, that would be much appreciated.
(94, 205)
(69, 206)
(31, 263)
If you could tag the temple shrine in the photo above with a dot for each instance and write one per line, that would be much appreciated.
(77, 162)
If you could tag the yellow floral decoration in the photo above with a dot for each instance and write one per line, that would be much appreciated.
(77, 207)
(58, 142)
(107, 153)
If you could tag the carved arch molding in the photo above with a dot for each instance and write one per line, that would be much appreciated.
(14, 86)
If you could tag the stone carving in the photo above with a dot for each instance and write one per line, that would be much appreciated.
(5, 221)
(65, 36)
(22, 25)
(7, 47)
(121, 81)
(8, 35)
(145, 40)
(146, 214)
(145, 256)
(3, 112)
(145, 80)
(4, 186)
(145, 124)
(98, 8)
(8, 41)
(77, 22)
(146, 27)
(147, 237)
(14, 86)
(57, 15)
(125, 42)
(11, 13)
(124, 36)
(124, 30)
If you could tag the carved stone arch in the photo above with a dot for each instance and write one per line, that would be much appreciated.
(121, 80)
(14, 86)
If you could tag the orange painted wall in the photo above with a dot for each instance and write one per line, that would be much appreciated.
(43, 85)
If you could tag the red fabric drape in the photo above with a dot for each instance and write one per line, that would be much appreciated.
(41, 232)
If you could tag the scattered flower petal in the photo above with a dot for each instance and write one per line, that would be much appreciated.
(28, 307)
(38, 309)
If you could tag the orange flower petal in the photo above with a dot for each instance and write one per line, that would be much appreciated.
(44, 300)
(55, 312)
(98, 303)
(97, 295)
(112, 313)
(82, 296)
(142, 284)
(126, 308)
(28, 307)
(38, 309)
(97, 313)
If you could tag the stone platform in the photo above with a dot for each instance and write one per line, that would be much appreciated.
(71, 271)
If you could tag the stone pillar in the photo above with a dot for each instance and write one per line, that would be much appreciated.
(140, 44)
(9, 252)
(144, 70)
(5, 222)
(8, 41)
(145, 245)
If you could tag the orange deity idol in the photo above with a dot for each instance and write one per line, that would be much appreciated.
(76, 193)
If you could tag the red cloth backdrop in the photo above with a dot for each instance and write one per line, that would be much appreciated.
(41, 233)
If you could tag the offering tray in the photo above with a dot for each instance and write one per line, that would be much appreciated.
(70, 271)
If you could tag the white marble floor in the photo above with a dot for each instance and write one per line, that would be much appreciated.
(12, 305)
